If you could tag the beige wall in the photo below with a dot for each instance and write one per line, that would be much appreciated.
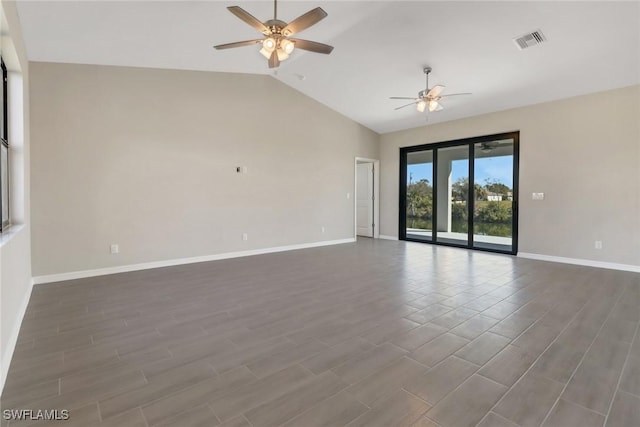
(583, 153)
(15, 246)
(147, 159)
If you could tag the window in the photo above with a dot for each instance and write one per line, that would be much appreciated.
(4, 153)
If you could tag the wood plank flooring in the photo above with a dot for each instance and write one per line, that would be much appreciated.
(375, 333)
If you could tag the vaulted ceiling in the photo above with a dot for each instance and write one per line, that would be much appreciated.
(380, 50)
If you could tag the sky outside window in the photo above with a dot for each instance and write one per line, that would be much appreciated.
(498, 169)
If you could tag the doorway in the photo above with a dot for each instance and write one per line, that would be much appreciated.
(366, 198)
(461, 193)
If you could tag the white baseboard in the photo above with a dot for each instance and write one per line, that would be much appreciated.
(385, 237)
(179, 261)
(7, 353)
(578, 261)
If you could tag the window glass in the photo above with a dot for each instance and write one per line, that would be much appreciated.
(4, 152)
(4, 181)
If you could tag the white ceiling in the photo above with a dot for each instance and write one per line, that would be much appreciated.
(380, 48)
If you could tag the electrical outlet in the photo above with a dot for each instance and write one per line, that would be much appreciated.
(322, 228)
(598, 244)
(537, 196)
(114, 248)
(348, 195)
(245, 236)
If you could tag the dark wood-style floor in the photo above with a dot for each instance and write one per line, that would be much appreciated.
(377, 333)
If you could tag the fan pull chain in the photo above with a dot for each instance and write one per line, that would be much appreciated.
(275, 9)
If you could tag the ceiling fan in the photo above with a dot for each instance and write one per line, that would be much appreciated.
(428, 98)
(277, 44)
(487, 147)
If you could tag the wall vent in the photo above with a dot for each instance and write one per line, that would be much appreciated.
(530, 39)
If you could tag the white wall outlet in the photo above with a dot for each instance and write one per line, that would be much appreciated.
(245, 236)
(348, 195)
(598, 244)
(114, 248)
(537, 196)
(323, 230)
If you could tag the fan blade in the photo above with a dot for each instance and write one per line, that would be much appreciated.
(274, 62)
(237, 44)
(413, 103)
(455, 94)
(434, 106)
(312, 46)
(435, 91)
(304, 21)
(402, 97)
(249, 19)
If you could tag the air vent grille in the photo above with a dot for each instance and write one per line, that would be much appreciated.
(530, 39)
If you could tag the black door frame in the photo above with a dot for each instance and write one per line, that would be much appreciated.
(470, 143)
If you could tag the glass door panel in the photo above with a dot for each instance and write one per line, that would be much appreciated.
(452, 190)
(419, 212)
(493, 219)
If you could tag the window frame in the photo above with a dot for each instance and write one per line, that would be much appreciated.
(4, 140)
(469, 142)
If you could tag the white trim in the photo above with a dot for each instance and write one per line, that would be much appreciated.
(385, 237)
(179, 261)
(9, 233)
(376, 195)
(13, 337)
(585, 262)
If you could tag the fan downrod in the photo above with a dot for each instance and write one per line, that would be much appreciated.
(423, 93)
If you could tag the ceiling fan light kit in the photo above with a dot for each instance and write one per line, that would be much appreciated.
(277, 45)
(283, 48)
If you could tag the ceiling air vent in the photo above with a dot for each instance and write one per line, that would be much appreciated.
(531, 39)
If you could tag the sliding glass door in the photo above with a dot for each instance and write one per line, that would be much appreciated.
(419, 195)
(461, 193)
(453, 198)
(493, 217)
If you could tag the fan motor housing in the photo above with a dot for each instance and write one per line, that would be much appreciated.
(275, 25)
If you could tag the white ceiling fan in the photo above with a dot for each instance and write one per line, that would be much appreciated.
(277, 44)
(428, 98)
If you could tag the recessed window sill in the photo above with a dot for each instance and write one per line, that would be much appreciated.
(9, 233)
